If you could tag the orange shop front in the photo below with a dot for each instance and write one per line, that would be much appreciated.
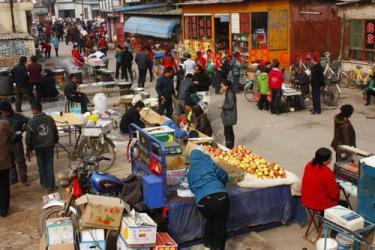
(259, 30)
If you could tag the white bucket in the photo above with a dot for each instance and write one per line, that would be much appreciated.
(100, 102)
(331, 244)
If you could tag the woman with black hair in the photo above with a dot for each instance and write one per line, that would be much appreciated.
(228, 112)
(202, 124)
(319, 188)
(344, 133)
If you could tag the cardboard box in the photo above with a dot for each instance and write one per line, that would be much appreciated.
(121, 245)
(165, 242)
(59, 231)
(69, 246)
(162, 133)
(133, 234)
(94, 245)
(100, 211)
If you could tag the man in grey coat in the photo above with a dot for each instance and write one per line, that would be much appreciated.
(228, 112)
(142, 59)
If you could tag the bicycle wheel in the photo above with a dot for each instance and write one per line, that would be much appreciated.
(344, 80)
(95, 147)
(331, 95)
(249, 92)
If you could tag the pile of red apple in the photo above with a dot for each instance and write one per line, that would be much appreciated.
(242, 157)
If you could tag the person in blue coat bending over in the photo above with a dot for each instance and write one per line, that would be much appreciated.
(207, 181)
(173, 124)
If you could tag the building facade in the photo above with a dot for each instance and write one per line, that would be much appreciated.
(287, 30)
(22, 16)
(358, 38)
(83, 9)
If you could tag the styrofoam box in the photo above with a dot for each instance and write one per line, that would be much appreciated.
(59, 231)
(93, 245)
(134, 234)
(92, 235)
(121, 245)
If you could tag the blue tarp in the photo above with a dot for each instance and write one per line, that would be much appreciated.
(249, 207)
(148, 26)
(140, 7)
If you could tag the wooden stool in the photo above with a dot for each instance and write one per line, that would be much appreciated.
(313, 223)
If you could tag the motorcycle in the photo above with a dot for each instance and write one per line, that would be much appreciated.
(81, 179)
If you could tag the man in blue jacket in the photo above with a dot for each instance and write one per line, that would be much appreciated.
(207, 181)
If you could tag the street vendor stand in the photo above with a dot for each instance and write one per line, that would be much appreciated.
(251, 208)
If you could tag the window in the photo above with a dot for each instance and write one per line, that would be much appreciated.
(198, 27)
(362, 34)
(259, 28)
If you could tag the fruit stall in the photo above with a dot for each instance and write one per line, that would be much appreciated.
(263, 194)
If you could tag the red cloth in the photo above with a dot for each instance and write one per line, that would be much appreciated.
(319, 187)
(78, 58)
(152, 55)
(102, 44)
(35, 72)
(168, 61)
(276, 79)
(46, 46)
(202, 61)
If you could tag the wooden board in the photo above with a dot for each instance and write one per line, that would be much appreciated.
(67, 119)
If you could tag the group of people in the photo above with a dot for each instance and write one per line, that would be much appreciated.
(30, 77)
(41, 137)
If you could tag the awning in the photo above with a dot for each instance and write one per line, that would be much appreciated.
(149, 26)
(140, 7)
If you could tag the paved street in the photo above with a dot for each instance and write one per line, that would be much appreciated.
(290, 139)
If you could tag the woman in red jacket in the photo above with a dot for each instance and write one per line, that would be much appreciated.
(319, 188)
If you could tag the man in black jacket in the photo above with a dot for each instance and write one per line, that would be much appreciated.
(317, 82)
(17, 152)
(72, 94)
(21, 78)
(184, 93)
(165, 90)
(126, 63)
(132, 115)
(142, 59)
(41, 136)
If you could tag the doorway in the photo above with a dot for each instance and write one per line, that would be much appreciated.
(29, 21)
(222, 32)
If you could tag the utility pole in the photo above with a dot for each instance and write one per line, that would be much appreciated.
(12, 16)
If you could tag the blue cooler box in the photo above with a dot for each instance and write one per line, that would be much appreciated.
(153, 191)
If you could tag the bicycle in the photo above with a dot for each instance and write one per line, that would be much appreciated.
(94, 142)
(331, 93)
(359, 79)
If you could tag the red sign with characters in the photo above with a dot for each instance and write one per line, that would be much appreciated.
(370, 34)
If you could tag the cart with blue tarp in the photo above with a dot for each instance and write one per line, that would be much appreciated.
(251, 208)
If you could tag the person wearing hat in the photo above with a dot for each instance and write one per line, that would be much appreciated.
(18, 170)
(344, 133)
(5, 163)
(319, 188)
